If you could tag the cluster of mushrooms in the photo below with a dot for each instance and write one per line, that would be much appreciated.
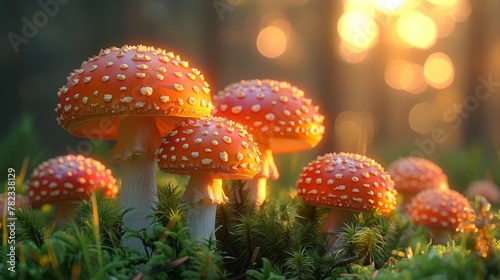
(161, 112)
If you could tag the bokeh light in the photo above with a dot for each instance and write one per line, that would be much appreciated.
(444, 22)
(438, 70)
(354, 131)
(390, 6)
(423, 118)
(272, 41)
(358, 30)
(351, 57)
(404, 75)
(416, 30)
(448, 104)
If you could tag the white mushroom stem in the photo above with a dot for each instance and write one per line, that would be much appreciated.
(203, 194)
(257, 187)
(138, 138)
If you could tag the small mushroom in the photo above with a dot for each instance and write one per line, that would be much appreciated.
(64, 180)
(443, 212)
(132, 94)
(346, 183)
(485, 188)
(208, 150)
(279, 116)
(412, 175)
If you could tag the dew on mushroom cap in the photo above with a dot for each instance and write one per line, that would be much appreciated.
(130, 81)
(347, 181)
(275, 112)
(67, 178)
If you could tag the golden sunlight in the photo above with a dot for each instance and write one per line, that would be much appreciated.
(416, 30)
(438, 70)
(272, 41)
(358, 30)
(423, 118)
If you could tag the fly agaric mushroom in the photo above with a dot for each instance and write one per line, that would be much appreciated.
(209, 150)
(485, 188)
(346, 183)
(63, 180)
(442, 211)
(133, 95)
(281, 119)
(413, 174)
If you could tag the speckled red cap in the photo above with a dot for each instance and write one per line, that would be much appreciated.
(69, 178)
(131, 81)
(278, 114)
(215, 146)
(446, 209)
(347, 181)
(414, 174)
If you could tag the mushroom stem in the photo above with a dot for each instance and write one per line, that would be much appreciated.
(203, 195)
(64, 211)
(335, 220)
(440, 236)
(138, 137)
(257, 187)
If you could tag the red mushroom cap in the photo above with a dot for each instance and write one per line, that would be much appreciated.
(215, 146)
(445, 209)
(131, 81)
(275, 112)
(68, 178)
(414, 174)
(347, 181)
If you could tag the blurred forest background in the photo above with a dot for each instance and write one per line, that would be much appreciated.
(393, 77)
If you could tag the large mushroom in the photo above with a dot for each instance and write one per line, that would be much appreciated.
(133, 95)
(443, 212)
(412, 175)
(279, 116)
(64, 180)
(346, 183)
(208, 150)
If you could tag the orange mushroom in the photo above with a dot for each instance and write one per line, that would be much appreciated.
(279, 116)
(412, 175)
(63, 180)
(346, 183)
(209, 150)
(444, 212)
(133, 95)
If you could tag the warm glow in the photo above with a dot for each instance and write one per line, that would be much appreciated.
(271, 42)
(416, 30)
(438, 70)
(423, 118)
(448, 104)
(403, 75)
(351, 57)
(461, 10)
(444, 3)
(444, 22)
(388, 5)
(353, 131)
(392, 73)
(412, 78)
(358, 31)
